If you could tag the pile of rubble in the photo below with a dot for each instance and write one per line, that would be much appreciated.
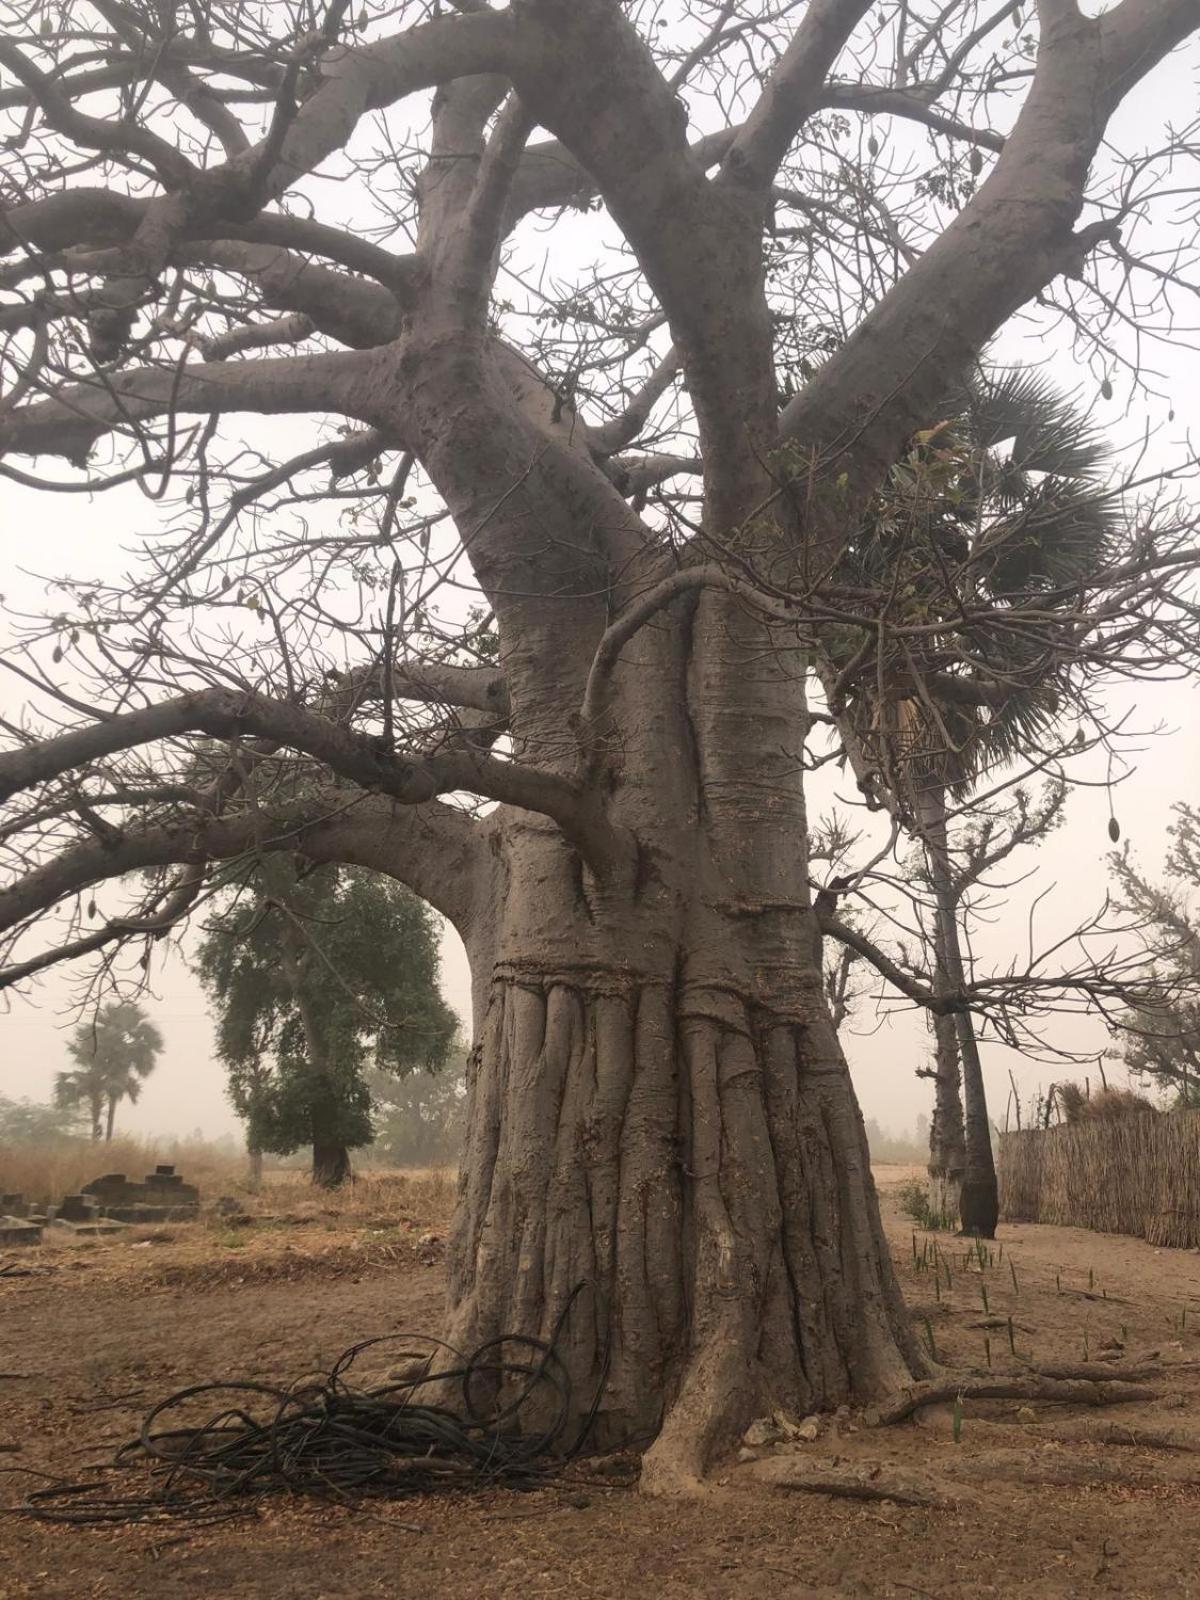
(106, 1205)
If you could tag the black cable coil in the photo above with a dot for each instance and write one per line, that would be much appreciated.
(326, 1436)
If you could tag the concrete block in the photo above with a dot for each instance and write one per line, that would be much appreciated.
(16, 1230)
(162, 1197)
(87, 1230)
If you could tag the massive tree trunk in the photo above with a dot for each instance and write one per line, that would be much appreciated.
(659, 1113)
(979, 1193)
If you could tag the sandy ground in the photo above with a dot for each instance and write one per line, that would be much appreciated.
(98, 1332)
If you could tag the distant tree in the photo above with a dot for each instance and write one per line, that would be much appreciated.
(419, 1118)
(1160, 1043)
(28, 1122)
(318, 974)
(894, 1148)
(114, 1053)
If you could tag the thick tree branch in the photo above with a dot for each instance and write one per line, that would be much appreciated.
(77, 220)
(1009, 242)
(438, 683)
(897, 976)
(110, 135)
(793, 91)
(622, 430)
(369, 77)
(353, 311)
(908, 104)
(356, 757)
(70, 424)
(438, 851)
(699, 244)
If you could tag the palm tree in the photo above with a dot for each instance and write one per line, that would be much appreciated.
(114, 1053)
(982, 529)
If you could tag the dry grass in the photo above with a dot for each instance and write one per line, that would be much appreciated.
(45, 1172)
(379, 1196)
(1106, 1105)
(1135, 1174)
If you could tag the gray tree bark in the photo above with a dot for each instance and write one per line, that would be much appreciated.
(658, 1107)
(978, 1191)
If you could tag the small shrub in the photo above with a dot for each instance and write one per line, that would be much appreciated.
(914, 1201)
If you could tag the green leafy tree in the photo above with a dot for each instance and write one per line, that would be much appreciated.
(319, 974)
(1160, 1042)
(29, 1122)
(114, 1054)
(999, 503)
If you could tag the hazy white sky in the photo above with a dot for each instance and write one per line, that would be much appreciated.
(41, 534)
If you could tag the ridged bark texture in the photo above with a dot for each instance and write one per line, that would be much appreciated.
(693, 1157)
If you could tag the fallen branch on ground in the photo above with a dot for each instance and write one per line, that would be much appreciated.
(1103, 1390)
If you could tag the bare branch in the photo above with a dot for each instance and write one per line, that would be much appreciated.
(793, 91)
(438, 851)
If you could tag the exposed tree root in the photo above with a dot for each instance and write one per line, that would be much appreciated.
(1101, 1390)
(1090, 1372)
(1050, 1465)
(1105, 1431)
(1045, 1463)
(857, 1483)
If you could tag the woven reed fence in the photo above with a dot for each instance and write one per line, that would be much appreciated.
(1136, 1174)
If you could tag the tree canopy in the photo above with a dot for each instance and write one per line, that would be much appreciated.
(1159, 1041)
(317, 976)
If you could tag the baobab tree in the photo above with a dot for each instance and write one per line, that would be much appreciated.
(641, 438)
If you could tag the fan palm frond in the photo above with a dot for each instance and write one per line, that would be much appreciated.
(1005, 499)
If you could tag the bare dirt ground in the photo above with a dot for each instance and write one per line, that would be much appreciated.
(99, 1332)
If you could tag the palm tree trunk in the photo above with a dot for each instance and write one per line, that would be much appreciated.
(979, 1195)
(947, 1137)
(96, 1104)
(112, 1117)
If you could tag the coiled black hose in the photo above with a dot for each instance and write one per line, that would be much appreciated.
(328, 1436)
